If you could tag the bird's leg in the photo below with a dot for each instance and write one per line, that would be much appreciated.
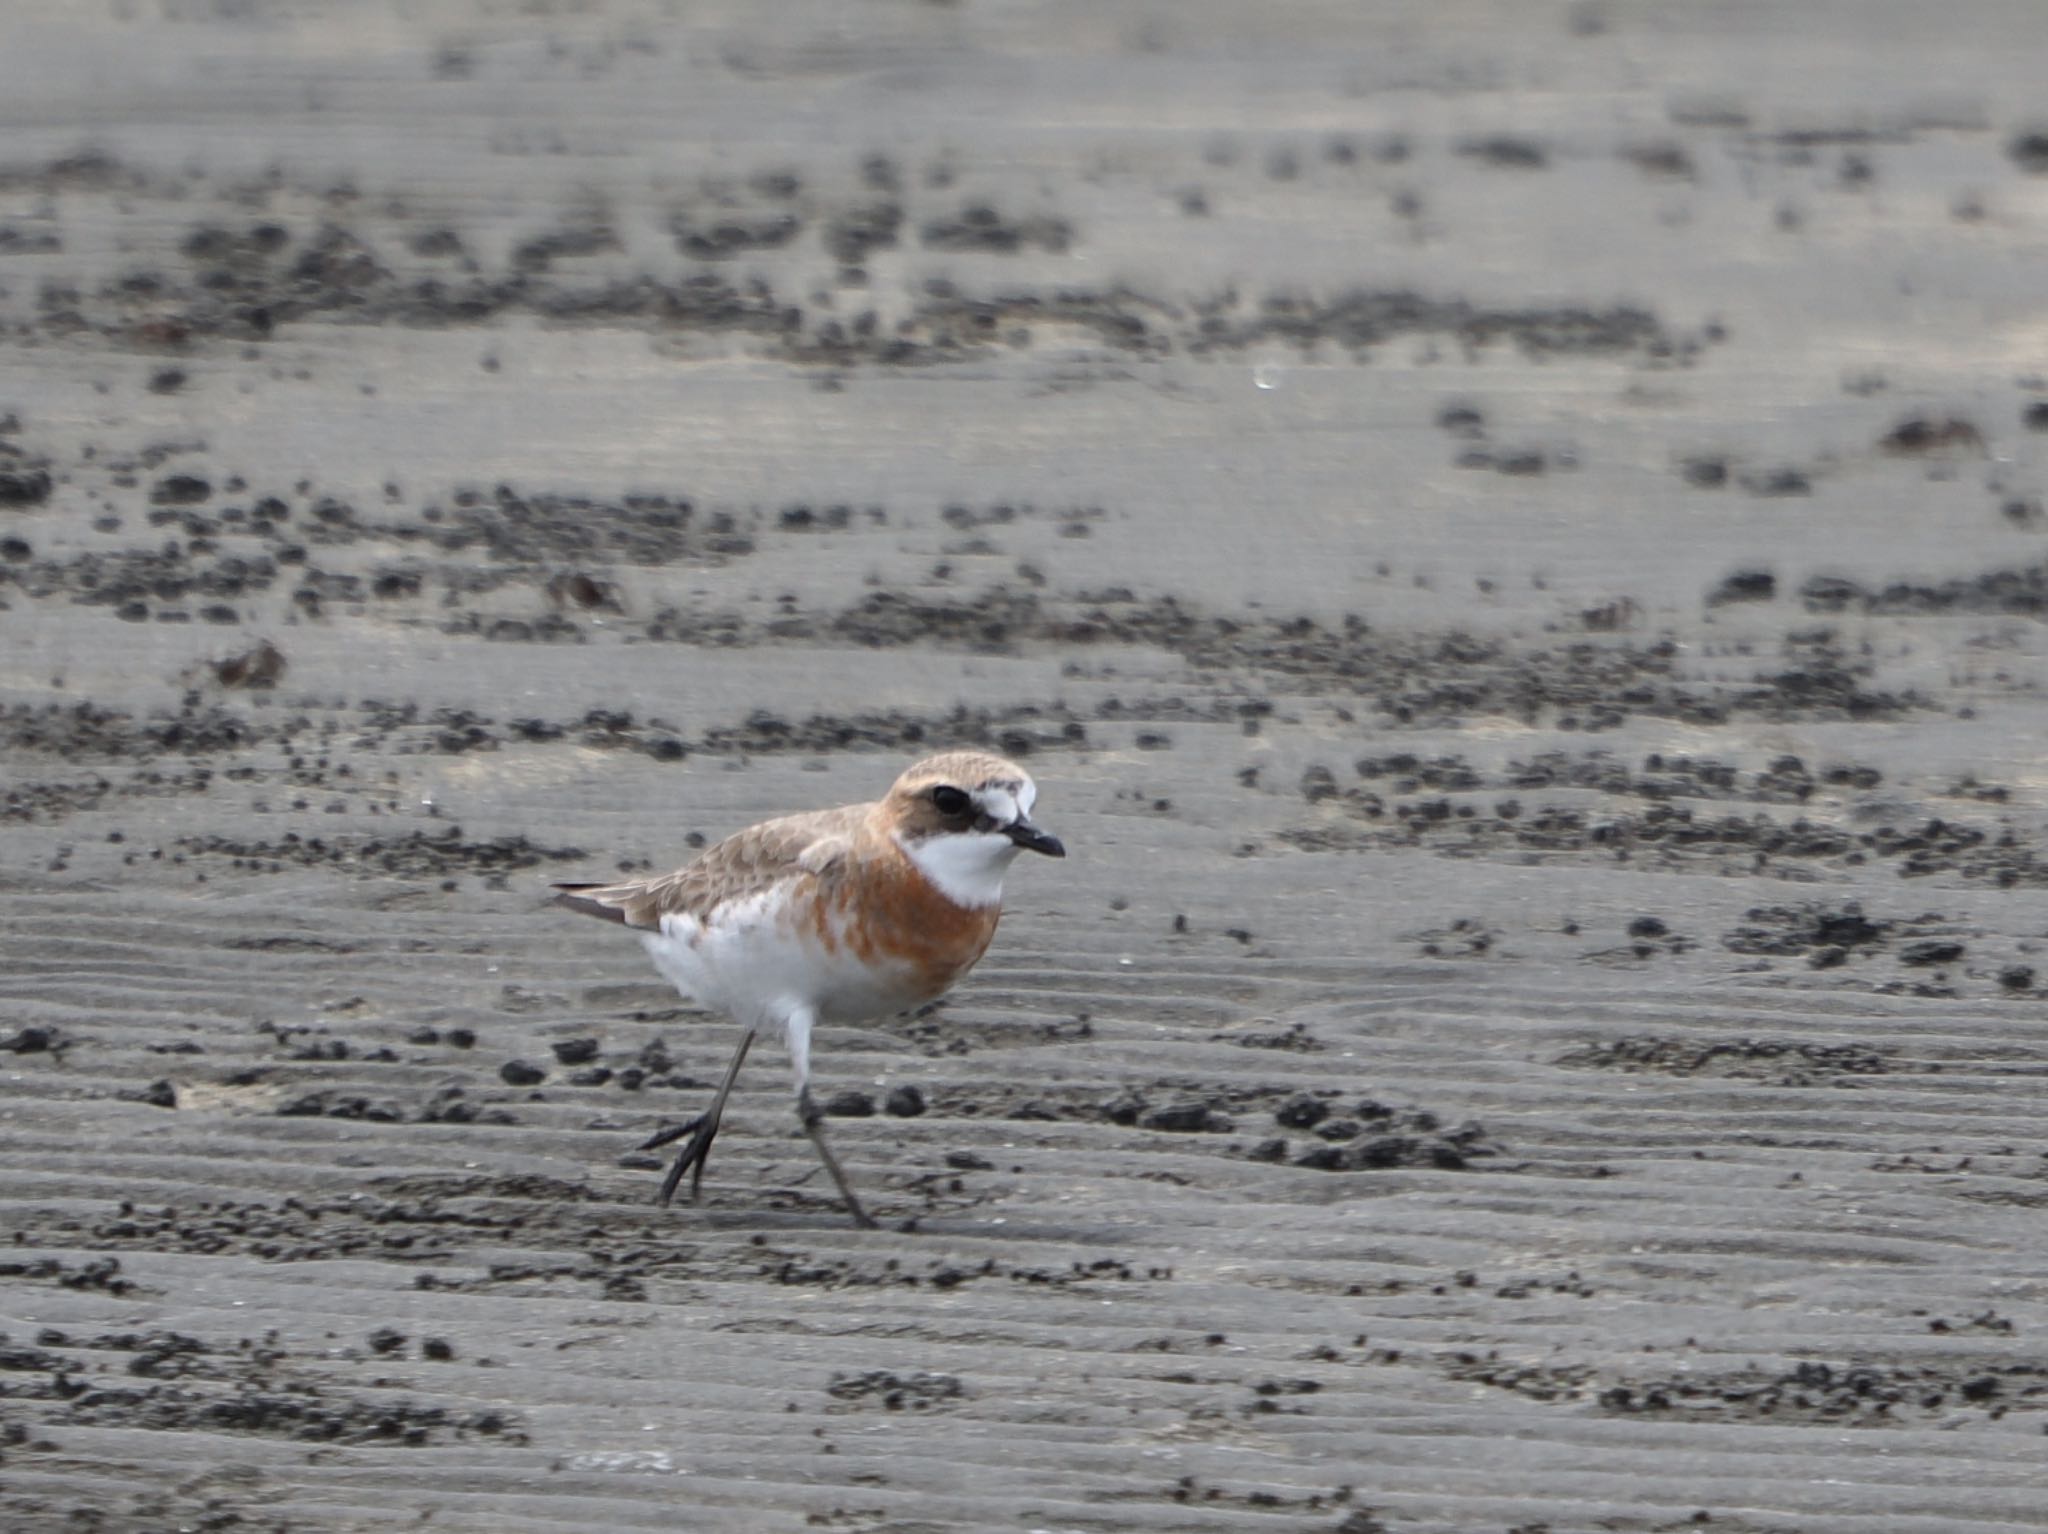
(797, 1027)
(702, 1130)
(813, 1118)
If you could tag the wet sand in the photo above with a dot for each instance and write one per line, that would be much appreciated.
(1512, 540)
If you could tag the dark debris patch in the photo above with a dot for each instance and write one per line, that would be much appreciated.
(1828, 937)
(1782, 1062)
(341, 1105)
(1292, 1038)
(1464, 938)
(1372, 1137)
(896, 1392)
(979, 227)
(722, 237)
(524, 1186)
(1668, 833)
(161, 1354)
(1014, 730)
(1403, 679)
(2021, 592)
(1549, 1383)
(200, 568)
(1844, 1394)
(543, 530)
(1360, 319)
(1922, 435)
(101, 1274)
(1183, 1112)
(89, 730)
(296, 1410)
(1442, 805)
(1790, 931)
(241, 281)
(16, 1358)
(411, 1220)
(417, 854)
(808, 1270)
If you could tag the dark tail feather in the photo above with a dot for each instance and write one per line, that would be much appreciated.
(573, 896)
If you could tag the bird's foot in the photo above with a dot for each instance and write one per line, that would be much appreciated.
(702, 1130)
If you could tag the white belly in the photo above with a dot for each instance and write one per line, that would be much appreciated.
(757, 970)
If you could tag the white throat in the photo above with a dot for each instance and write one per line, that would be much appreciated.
(967, 867)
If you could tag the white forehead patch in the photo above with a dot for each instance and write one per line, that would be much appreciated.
(1000, 805)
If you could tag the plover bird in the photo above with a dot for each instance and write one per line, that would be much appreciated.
(837, 916)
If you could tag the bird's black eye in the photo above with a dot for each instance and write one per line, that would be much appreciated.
(948, 800)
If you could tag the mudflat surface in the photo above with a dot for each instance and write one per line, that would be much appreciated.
(1512, 538)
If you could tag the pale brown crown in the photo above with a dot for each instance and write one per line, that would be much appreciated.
(910, 808)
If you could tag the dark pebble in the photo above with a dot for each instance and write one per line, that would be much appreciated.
(24, 487)
(1931, 951)
(180, 490)
(1179, 1118)
(903, 1102)
(1302, 1111)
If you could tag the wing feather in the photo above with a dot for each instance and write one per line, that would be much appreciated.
(745, 864)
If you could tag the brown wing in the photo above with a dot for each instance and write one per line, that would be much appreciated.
(743, 865)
